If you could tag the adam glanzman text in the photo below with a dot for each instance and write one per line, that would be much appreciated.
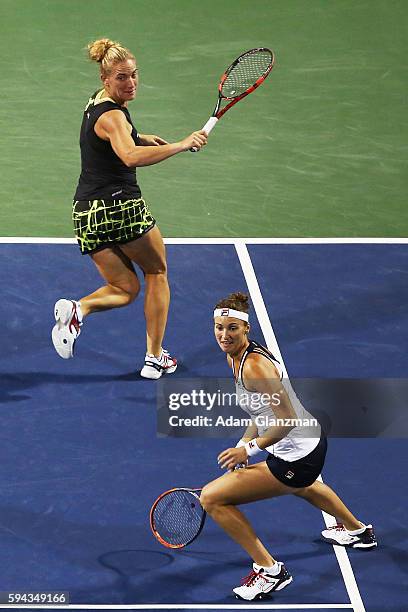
(260, 421)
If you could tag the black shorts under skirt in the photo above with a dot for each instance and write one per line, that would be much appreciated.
(102, 223)
(300, 473)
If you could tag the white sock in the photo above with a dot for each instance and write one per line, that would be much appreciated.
(357, 531)
(159, 359)
(274, 569)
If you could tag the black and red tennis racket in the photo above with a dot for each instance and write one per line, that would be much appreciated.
(244, 75)
(177, 517)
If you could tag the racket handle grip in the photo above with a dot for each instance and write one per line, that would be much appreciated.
(207, 129)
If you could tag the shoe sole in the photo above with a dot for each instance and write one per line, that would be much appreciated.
(62, 313)
(153, 374)
(352, 544)
(266, 594)
(150, 373)
(64, 349)
(364, 546)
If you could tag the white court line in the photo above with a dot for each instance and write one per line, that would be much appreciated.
(286, 241)
(234, 241)
(271, 342)
(188, 606)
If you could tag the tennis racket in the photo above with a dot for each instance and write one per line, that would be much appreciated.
(177, 517)
(244, 75)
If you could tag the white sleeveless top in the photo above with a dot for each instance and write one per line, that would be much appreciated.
(303, 438)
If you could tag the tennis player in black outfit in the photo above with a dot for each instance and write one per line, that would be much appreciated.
(113, 224)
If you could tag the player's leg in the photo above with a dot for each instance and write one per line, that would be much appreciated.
(122, 287)
(149, 253)
(324, 498)
(349, 531)
(220, 498)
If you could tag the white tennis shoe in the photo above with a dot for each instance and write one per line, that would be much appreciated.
(259, 584)
(68, 318)
(155, 367)
(338, 534)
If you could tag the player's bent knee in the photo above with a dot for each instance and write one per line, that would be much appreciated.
(131, 293)
(130, 297)
(127, 291)
(211, 497)
(157, 269)
(207, 499)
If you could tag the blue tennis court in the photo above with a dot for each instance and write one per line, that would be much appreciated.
(81, 462)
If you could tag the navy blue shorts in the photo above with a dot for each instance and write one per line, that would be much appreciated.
(300, 473)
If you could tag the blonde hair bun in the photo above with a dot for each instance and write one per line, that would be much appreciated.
(98, 49)
(108, 52)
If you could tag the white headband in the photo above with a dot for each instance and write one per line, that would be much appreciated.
(230, 312)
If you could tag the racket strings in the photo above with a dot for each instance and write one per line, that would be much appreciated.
(177, 517)
(245, 73)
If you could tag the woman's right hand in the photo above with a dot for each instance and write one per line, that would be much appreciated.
(231, 457)
(195, 140)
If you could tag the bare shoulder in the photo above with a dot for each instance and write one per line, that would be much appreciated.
(111, 123)
(256, 367)
(112, 119)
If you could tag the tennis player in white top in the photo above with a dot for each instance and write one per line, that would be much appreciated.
(296, 452)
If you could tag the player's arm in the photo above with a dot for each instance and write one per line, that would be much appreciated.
(262, 377)
(111, 126)
(151, 140)
(250, 433)
(252, 430)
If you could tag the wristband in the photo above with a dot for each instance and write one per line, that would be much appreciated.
(240, 466)
(252, 448)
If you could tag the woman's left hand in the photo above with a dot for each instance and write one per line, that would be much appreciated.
(151, 140)
(230, 457)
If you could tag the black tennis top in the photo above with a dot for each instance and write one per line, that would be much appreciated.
(103, 174)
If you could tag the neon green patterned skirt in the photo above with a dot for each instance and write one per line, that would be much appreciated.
(101, 223)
